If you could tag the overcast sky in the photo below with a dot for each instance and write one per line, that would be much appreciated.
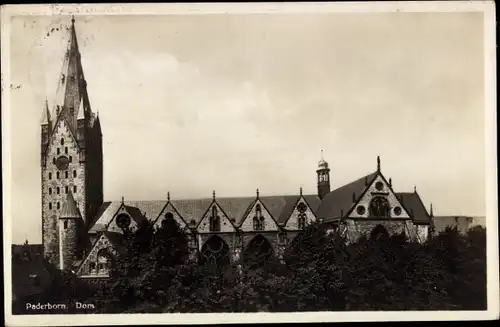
(189, 104)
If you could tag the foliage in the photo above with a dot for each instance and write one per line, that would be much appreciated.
(321, 271)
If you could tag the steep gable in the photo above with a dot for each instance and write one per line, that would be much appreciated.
(105, 242)
(170, 209)
(270, 223)
(133, 216)
(225, 224)
(413, 203)
(366, 207)
(301, 208)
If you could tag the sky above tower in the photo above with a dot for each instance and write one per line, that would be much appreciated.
(191, 104)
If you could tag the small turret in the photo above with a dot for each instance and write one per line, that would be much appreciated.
(323, 173)
(70, 221)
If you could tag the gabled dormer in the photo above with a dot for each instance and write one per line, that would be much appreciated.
(301, 216)
(258, 218)
(215, 220)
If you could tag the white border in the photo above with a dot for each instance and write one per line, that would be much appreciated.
(487, 7)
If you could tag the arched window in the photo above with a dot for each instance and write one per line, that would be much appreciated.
(54, 160)
(50, 205)
(66, 174)
(58, 190)
(258, 219)
(58, 151)
(58, 205)
(92, 268)
(74, 188)
(301, 221)
(70, 159)
(102, 262)
(62, 141)
(66, 189)
(214, 220)
(74, 173)
(50, 190)
(57, 175)
(379, 207)
(65, 224)
(50, 176)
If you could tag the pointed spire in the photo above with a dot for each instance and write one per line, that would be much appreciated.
(123, 200)
(213, 194)
(378, 163)
(168, 196)
(257, 193)
(301, 191)
(70, 208)
(45, 113)
(322, 155)
(71, 86)
(415, 189)
(432, 211)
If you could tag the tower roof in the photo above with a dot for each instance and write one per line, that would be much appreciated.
(322, 164)
(70, 209)
(71, 93)
(45, 113)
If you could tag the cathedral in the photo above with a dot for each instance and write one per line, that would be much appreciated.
(81, 232)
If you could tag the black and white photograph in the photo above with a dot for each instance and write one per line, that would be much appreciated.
(284, 162)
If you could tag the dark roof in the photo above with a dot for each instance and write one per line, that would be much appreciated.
(416, 209)
(115, 239)
(29, 276)
(280, 207)
(29, 249)
(69, 208)
(340, 199)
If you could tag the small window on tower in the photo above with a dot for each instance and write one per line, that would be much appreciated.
(50, 190)
(74, 173)
(66, 189)
(57, 175)
(58, 205)
(74, 189)
(65, 224)
(58, 151)
(66, 174)
(70, 159)
(54, 160)
(66, 149)
(62, 141)
(50, 205)
(50, 175)
(58, 190)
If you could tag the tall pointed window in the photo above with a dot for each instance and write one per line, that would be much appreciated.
(58, 190)
(66, 149)
(66, 174)
(62, 141)
(258, 219)
(50, 175)
(214, 220)
(379, 207)
(301, 218)
(57, 175)
(74, 188)
(74, 173)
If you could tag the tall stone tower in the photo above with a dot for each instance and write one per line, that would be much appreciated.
(323, 173)
(71, 154)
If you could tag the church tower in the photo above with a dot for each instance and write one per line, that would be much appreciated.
(323, 177)
(71, 154)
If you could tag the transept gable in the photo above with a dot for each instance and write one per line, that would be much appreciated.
(215, 220)
(301, 216)
(258, 217)
(103, 243)
(378, 200)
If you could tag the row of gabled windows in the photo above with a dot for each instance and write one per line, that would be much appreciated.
(66, 189)
(65, 150)
(58, 174)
